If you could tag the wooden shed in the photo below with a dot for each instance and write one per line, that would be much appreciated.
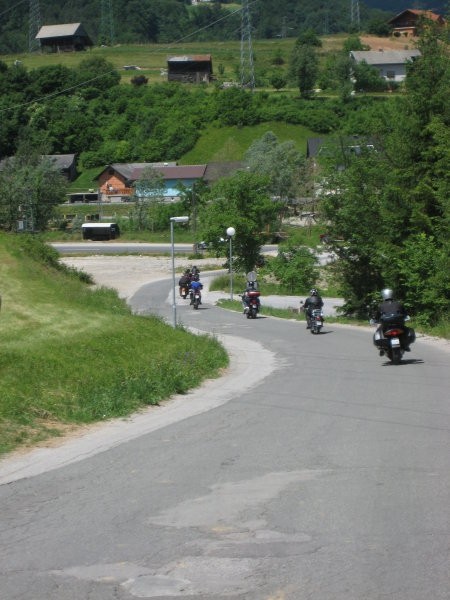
(190, 69)
(70, 37)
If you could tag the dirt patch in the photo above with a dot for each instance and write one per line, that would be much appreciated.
(387, 43)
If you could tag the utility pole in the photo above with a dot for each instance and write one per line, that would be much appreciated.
(247, 67)
(354, 14)
(326, 22)
(34, 26)
(106, 33)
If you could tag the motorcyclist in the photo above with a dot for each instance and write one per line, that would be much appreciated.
(252, 286)
(313, 301)
(195, 271)
(184, 282)
(196, 286)
(394, 311)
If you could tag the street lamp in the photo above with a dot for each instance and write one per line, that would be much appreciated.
(230, 232)
(174, 301)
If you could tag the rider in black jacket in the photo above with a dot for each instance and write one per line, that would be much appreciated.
(312, 302)
(391, 309)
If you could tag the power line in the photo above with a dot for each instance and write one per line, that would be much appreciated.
(12, 7)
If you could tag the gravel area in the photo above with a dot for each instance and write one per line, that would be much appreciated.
(127, 274)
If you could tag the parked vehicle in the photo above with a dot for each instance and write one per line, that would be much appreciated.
(393, 338)
(315, 320)
(100, 231)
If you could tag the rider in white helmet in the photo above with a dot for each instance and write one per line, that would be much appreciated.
(392, 308)
(313, 301)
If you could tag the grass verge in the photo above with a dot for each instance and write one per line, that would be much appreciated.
(74, 355)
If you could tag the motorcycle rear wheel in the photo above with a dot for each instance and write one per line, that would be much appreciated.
(395, 355)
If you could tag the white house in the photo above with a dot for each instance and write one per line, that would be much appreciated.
(391, 64)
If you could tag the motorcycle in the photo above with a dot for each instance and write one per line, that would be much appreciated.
(196, 298)
(251, 304)
(392, 337)
(184, 290)
(315, 320)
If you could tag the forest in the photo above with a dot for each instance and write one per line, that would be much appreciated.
(165, 21)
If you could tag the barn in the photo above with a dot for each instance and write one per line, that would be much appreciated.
(69, 37)
(190, 69)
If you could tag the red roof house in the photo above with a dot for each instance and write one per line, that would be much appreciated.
(409, 22)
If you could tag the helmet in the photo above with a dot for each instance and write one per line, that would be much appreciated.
(313, 292)
(387, 294)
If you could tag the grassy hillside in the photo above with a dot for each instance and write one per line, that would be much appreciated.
(72, 355)
(231, 143)
(152, 58)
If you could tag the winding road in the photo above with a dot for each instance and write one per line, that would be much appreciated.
(313, 469)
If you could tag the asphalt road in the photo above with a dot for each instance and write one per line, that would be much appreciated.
(313, 470)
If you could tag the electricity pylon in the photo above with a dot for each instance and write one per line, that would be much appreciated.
(247, 66)
(106, 33)
(34, 26)
(354, 14)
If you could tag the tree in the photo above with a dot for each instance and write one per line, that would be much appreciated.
(278, 81)
(309, 38)
(281, 162)
(30, 188)
(138, 80)
(295, 267)
(388, 211)
(304, 67)
(367, 78)
(240, 201)
(149, 193)
(97, 76)
(353, 42)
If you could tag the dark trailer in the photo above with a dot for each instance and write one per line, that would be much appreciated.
(100, 231)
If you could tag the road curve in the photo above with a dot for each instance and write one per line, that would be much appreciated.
(324, 475)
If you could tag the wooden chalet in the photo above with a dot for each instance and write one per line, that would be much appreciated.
(120, 181)
(70, 37)
(190, 69)
(409, 22)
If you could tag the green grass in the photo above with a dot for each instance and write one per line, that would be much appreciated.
(74, 355)
(85, 181)
(231, 143)
(152, 58)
